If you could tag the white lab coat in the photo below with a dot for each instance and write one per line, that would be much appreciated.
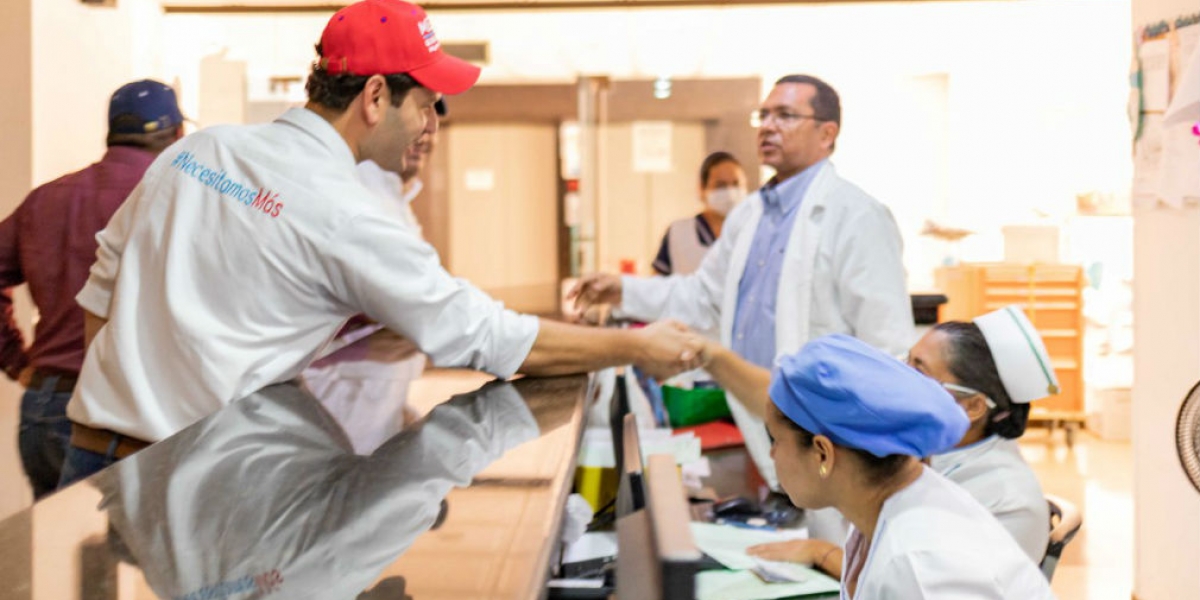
(842, 273)
(996, 475)
(934, 541)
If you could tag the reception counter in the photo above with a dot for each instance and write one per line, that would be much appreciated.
(267, 499)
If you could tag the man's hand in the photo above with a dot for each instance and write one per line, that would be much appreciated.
(668, 348)
(597, 288)
(25, 377)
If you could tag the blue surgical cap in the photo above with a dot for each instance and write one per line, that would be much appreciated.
(859, 397)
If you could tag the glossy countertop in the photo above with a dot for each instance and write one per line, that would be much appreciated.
(267, 499)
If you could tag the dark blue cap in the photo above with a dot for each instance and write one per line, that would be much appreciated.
(859, 397)
(143, 106)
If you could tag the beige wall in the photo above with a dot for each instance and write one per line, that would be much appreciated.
(638, 207)
(1166, 357)
(16, 172)
(503, 216)
(63, 60)
(1166, 364)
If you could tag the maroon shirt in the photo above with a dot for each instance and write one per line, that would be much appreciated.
(49, 242)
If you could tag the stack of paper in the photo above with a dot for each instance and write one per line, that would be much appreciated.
(728, 544)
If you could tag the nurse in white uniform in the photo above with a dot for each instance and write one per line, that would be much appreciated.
(848, 426)
(994, 367)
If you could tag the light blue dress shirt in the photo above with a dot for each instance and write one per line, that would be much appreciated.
(754, 321)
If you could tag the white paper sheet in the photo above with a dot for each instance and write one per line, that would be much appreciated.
(1179, 168)
(1155, 58)
(1147, 161)
(594, 544)
(744, 585)
(727, 544)
(1185, 99)
(652, 141)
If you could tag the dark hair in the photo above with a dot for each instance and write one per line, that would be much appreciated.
(338, 91)
(826, 105)
(155, 142)
(711, 161)
(970, 361)
(878, 469)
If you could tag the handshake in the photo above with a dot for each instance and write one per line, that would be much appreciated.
(668, 348)
(663, 349)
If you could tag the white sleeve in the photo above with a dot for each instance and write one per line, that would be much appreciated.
(393, 276)
(871, 281)
(927, 576)
(96, 295)
(695, 299)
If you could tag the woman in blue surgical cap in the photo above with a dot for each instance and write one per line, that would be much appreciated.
(994, 367)
(849, 426)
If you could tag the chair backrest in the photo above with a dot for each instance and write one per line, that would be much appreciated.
(1065, 521)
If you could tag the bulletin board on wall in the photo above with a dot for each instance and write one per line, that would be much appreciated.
(1164, 109)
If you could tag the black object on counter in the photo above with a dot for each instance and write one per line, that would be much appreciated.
(925, 307)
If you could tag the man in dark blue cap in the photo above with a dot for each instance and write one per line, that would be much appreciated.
(49, 242)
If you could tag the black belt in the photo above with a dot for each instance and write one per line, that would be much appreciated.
(65, 381)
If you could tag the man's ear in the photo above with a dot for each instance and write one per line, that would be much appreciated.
(374, 99)
(829, 133)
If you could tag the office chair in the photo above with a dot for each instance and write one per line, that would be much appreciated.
(1065, 521)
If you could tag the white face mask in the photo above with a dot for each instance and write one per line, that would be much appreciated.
(722, 200)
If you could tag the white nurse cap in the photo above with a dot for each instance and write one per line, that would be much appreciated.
(1020, 355)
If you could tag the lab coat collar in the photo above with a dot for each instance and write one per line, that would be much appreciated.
(951, 460)
(320, 129)
(788, 192)
(414, 187)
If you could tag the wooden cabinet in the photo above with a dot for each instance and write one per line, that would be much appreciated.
(1052, 298)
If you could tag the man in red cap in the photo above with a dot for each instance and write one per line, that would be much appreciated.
(49, 242)
(245, 248)
(363, 381)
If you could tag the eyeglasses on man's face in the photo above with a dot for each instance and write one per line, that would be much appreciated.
(782, 117)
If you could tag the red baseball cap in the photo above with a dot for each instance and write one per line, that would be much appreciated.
(389, 37)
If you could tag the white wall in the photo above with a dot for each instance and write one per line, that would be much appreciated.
(1166, 364)
(81, 55)
(1033, 100)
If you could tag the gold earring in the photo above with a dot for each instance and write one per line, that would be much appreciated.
(824, 471)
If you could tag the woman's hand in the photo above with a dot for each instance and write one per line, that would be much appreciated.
(813, 553)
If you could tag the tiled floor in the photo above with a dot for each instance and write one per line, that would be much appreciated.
(1097, 476)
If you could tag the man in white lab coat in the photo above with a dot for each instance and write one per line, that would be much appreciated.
(807, 255)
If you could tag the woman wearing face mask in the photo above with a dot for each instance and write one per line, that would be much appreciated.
(994, 367)
(722, 186)
(849, 426)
